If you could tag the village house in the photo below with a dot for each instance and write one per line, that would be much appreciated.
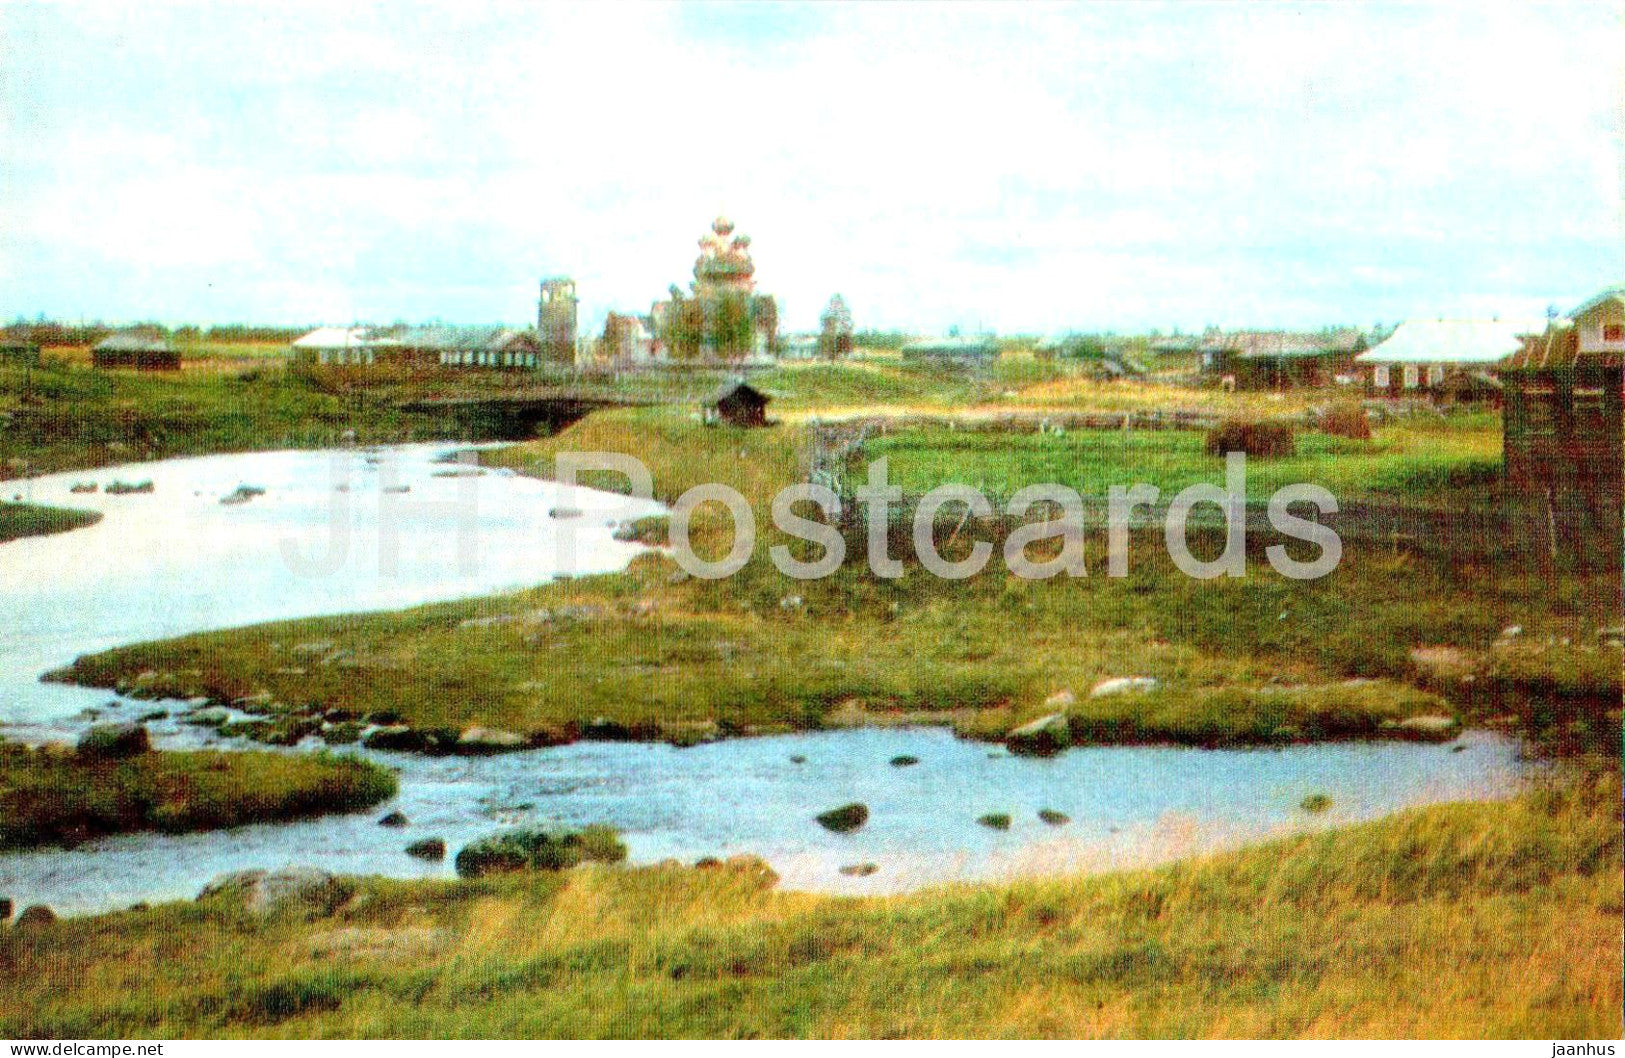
(499, 348)
(626, 341)
(954, 350)
(138, 351)
(1260, 360)
(1443, 358)
(1564, 407)
(333, 345)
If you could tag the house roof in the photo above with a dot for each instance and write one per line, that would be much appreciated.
(738, 388)
(133, 343)
(950, 346)
(1275, 344)
(1452, 342)
(1614, 293)
(333, 338)
(443, 338)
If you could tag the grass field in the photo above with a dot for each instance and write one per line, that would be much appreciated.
(1435, 463)
(1474, 920)
(18, 520)
(51, 796)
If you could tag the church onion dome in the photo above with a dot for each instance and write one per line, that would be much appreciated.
(722, 225)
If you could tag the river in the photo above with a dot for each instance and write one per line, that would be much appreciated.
(374, 530)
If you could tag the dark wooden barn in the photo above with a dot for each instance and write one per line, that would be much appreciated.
(135, 351)
(737, 404)
(1564, 459)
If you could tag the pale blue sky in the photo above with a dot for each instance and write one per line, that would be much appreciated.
(1019, 168)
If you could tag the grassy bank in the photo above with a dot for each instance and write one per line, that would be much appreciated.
(73, 417)
(18, 520)
(1258, 659)
(1483, 920)
(51, 796)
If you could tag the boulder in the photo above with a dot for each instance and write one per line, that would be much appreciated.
(310, 890)
(1060, 701)
(1124, 685)
(114, 741)
(395, 736)
(212, 717)
(1425, 728)
(603, 729)
(35, 915)
(478, 739)
(1053, 818)
(845, 819)
(904, 760)
(1043, 737)
(393, 819)
(431, 849)
(860, 870)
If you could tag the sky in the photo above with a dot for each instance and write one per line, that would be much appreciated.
(1022, 169)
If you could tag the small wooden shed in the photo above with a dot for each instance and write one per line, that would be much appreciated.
(135, 351)
(737, 404)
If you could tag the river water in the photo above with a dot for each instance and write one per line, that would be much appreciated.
(396, 527)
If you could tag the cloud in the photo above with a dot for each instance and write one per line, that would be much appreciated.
(1094, 166)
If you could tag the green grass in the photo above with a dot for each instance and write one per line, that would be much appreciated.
(1475, 920)
(18, 520)
(1423, 464)
(73, 417)
(51, 796)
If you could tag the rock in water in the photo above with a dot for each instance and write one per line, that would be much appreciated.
(432, 849)
(996, 821)
(1422, 728)
(481, 740)
(395, 736)
(845, 819)
(860, 870)
(1053, 818)
(308, 889)
(904, 760)
(393, 819)
(114, 741)
(1043, 737)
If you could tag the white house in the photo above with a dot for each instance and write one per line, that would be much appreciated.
(1429, 357)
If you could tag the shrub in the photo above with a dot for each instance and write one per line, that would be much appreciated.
(1346, 420)
(539, 850)
(1261, 439)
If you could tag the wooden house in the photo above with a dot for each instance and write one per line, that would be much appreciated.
(135, 351)
(1563, 461)
(1443, 358)
(1274, 360)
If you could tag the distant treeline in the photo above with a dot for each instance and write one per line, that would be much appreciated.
(57, 332)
